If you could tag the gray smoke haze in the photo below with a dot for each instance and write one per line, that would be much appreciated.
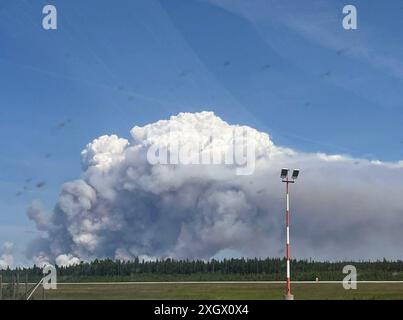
(121, 207)
(7, 255)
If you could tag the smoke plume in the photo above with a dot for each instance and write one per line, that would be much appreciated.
(123, 206)
(7, 255)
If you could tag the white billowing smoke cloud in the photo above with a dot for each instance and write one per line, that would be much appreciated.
(341, 208)
(7, 255)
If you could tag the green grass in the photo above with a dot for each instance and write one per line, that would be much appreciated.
(221, 291)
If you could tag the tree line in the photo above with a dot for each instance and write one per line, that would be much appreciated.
(225, 269)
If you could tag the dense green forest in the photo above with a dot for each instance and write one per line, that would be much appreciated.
(215, 270)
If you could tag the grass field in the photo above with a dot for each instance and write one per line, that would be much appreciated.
(260, 291)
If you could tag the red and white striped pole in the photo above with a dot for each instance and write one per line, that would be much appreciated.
(288, 295)
(284, 177)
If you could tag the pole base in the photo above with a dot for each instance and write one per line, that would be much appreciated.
(288, 297)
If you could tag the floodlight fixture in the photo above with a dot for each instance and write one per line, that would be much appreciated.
(295, 174)
(284, 173)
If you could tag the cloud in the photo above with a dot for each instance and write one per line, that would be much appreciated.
(122, 206)
(67, 260)
(7, 255)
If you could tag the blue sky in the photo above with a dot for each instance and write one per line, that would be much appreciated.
(284, 67)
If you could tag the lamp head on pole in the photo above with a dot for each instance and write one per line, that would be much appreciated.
(284, 173)
(295, 174)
